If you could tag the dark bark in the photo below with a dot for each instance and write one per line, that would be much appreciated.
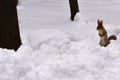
(74, 8)
(9, 28)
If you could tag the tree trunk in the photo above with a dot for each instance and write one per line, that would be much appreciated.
(74, 8)
(9, 28)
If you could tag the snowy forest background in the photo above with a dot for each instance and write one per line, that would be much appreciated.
(56, 48)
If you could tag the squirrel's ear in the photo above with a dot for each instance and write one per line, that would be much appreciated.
(98, 21)
(101, 21)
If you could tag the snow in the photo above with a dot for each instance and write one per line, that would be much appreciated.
(55, 48)
(36, 39)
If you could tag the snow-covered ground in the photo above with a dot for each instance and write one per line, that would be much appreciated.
(55, 48)
(108, 10)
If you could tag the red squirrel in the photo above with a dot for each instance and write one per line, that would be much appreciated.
(104, 39)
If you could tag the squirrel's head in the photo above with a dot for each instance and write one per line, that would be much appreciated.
(100, 24)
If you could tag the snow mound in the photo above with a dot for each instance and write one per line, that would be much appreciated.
(45, 36)
(81, 18)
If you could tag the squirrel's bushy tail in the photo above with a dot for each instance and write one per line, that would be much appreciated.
(112, 37)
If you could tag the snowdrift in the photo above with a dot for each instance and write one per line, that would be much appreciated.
(68, 53)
